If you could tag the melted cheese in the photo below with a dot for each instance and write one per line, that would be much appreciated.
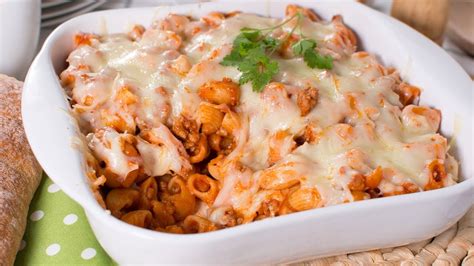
(358, 121)
(164, 157)
(109, 148)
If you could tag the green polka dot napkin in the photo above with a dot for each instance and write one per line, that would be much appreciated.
(58, 232)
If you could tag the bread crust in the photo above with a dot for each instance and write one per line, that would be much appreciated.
(20, 173)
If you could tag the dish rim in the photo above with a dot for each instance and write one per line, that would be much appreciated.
(44, 60)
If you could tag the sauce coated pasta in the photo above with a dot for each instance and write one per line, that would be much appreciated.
(178, 143)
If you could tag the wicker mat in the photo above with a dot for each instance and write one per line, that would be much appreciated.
(454, 246)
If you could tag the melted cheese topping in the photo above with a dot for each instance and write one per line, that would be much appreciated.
(165, 156)
(357, 125)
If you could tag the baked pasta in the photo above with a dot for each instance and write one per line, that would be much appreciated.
(194, 125)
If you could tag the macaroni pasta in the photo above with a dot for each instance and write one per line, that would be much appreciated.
(176, 144)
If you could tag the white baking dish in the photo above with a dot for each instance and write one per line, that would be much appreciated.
(333, 230)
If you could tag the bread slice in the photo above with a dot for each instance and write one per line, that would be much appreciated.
(20, 173)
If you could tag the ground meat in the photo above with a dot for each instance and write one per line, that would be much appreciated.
(307, 100)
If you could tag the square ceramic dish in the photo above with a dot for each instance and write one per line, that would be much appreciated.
(327, 231)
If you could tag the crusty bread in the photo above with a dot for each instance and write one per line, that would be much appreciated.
(20, 173)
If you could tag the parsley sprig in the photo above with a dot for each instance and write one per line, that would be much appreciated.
(249, 55)
(252, 50)
(313, 59)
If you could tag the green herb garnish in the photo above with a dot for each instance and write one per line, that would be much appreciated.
(257, 68)
(305, 48)
(249, 56)
(252, 50)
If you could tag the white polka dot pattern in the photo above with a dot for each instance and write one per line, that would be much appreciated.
(53, 188)
(22, 245)
(70, 219)
(53, 249)
(88, 253)
(57, 232)
(37, 215)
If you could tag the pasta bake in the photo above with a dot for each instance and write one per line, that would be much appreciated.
(194, 125)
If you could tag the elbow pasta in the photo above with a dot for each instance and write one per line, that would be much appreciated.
(180, 197)
(230, 122)
(220, 92)
(197, 224)
(148, 193)
(304, 199)
(200, 151)
(210, 118)
(203, 187)
(140, 218)
(176, 144)
(119, 200)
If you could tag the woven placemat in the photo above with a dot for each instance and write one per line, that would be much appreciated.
(452, 247)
